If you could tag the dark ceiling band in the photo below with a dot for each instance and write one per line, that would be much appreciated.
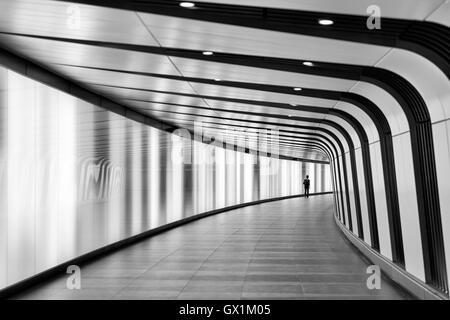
(36, 72)
(428, 39)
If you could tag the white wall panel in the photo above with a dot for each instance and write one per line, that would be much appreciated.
(363, 119)
(344, 190)
(153, 179)
(220, 175)
(441, 14)
(402, 9)
(441, 138)
(312, 176)
(432, 84)
(351, 191)
(386, 103)
(3, 176)
(248, 177)
(347, 127)
(339, 185)
(317, 181)
(363, 197)
(223, 71)
(407, 199)
(380, 200)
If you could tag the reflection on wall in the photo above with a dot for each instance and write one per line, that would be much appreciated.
(74, 177)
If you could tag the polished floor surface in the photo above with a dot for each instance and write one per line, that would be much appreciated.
(289, 249)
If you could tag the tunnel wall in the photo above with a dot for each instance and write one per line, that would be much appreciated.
(410, 225)
(75, 177)
(408, 202)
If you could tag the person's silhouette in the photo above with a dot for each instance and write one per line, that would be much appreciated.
(306, 185)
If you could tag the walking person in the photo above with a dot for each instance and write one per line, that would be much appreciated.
(306, 183)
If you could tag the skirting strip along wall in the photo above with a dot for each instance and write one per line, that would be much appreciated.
(391, 270)
(61, 268)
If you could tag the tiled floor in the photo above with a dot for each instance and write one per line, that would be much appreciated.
(288, 249)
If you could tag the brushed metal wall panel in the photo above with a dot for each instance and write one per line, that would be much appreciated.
(75, 177)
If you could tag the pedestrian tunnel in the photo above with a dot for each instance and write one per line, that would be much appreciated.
(127, 124)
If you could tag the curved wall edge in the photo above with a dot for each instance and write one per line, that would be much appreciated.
(27, 283)
(406, 280)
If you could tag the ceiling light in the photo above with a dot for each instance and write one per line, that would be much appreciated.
(326, 22)
(297, 89)
(208, 53)
(217, 80)
(289, 115)
(308, 63)
(187, 4)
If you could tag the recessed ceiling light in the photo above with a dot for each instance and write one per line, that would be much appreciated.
(217, 80)
(187, 4)
(308, 63)
(326, 22)
(289, 115)
(297, 89)
(208, 53)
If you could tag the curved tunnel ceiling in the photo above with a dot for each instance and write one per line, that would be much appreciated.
(149, 56)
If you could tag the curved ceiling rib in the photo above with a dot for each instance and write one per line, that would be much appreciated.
(428, 39)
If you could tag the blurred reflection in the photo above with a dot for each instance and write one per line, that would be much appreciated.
(74, 177)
